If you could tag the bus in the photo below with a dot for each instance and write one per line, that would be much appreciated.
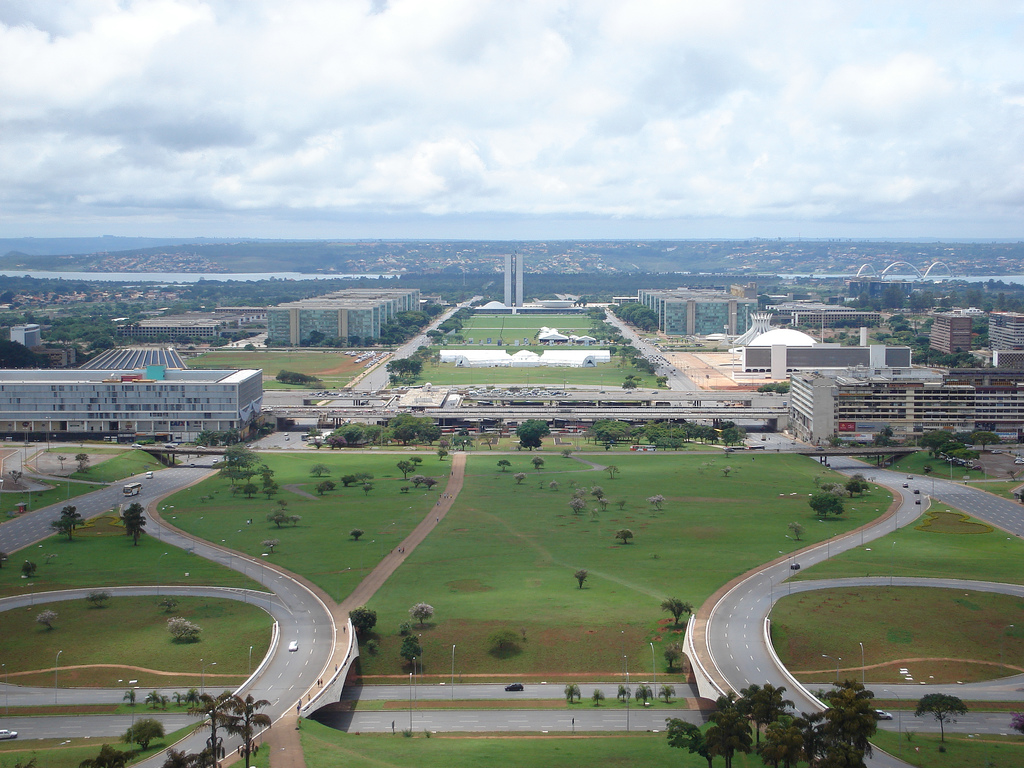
(132, 489)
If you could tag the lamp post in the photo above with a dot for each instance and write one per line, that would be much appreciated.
(56, 667)
(202, 674)
(899, 713)
(250, 659)
(836, 659)
(158, 571)
(892, 562)
(654, 671)
(410, 702)
(7, 705)
(625, 666)
(453, 671)
(863, 670)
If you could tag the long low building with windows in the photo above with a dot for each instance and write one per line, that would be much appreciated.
(127, 405)
(353, 315)
(859, 403)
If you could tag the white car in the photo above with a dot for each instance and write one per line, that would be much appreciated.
(293, 646)
(5, 734)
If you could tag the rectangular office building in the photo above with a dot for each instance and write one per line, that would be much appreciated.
(353, 316)
(152, 402)
(692, 312)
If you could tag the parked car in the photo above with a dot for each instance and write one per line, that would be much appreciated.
(5, 734)
(514, 687)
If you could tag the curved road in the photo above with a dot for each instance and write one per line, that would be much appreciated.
(736, 638)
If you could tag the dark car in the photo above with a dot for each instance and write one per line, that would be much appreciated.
(514, 687)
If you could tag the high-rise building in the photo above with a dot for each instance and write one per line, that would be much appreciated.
(691, 311)
(27, 334)
(1006, 330)
(514, 280)
(951, 332)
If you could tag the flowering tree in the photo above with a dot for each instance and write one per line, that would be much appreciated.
(421, 612)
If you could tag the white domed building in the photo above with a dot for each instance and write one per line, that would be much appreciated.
(774, 353)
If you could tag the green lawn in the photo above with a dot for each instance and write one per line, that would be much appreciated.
(898, 626)
(504, 558)
(334, 368)
(133, 631)
(927, 550)
(511, 327)
(962, 751)
(118, 467)
(101, 555)
(327, 748)
(915, 463)
(38, 499)
(69, 753)
(319, 547)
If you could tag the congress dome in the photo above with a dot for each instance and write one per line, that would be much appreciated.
(786, 337)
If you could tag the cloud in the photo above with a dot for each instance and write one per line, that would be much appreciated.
(707, 119)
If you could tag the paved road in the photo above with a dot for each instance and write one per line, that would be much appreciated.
(677, 380)
(301, 616)
(737, 637)
(606, 718)
(490, 691)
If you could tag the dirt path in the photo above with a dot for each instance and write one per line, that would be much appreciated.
(284, 740)
(297, 490)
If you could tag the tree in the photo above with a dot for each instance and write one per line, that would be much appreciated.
(783, 744)
(687, 736)
(850, 718)
(503, 643)
(250, 490)
(676, 607)
(656, 501)
(504, 464)
(643, 693)
(572, 692)
(624, 692)
(270, 544)
(1017, 721)
(355, 533)
(577, 505)
(244, 718)
(581, 576)
(538, 463)
(405, 467)
(531, 432)
(269, 489)
(108, 758)
(169, 604)
(367, 487)
(624, 534)
(673, 652)
(325, 486)
(279, 518)
(183, 630)
(154, 698)
(421, 612)
(612, 471)
(28, 569)
(97, 599)
(943, 707)
(765, 705)
(410, 648)
(83, 461)
(984, 438)
(729, 732)
(519, 477)
(825, 504)
(797, 530)
(856, 485)
(46, 618)
(597, 696)
(597, 492)
(68, 521)
(214, 711)
(363, 619)
(319, 470)
(667, 692)
(62, 459)
(181, 759)
(129, 696)
(134, 520)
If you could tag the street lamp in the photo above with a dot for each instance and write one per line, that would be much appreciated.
(56, 667)
(625, 666)
(7, 706)
(250, 659)
(836, 659)
(899, 713)
(654, 671)
(202, 674)
(453, 671)
(863, 671)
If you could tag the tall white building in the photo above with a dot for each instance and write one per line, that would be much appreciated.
(28, 334)
(514, 280)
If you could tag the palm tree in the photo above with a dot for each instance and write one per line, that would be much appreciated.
(181, 759)
(154, 698)
(643, 693)
(730, 732)
(245, 718)
(192, 696)
(214, 711)
(108, 758)
(129, 696)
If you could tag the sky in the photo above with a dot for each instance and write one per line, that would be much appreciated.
(512, 119)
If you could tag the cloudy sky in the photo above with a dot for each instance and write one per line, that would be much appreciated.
(512, 118)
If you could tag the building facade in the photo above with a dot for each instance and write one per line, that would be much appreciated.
(153, 402)
(28, 335)
(951, 332)
(346, 315)
(1006, 330)
(858, 403)
(514, 280)
(812, 313)
(691, 312)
